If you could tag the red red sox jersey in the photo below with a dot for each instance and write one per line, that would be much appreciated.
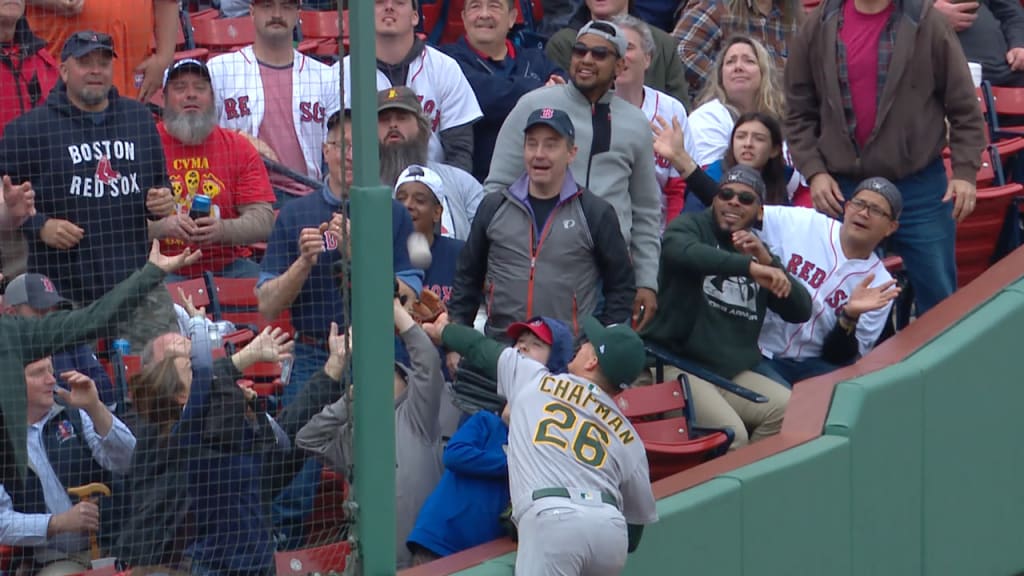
(657, 103)
(238, 93)
(447, 98)
(807, 242)
(565, 432)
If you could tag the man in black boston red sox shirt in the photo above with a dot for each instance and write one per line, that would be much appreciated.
(97, 167)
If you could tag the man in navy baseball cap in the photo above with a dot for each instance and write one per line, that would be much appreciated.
(82, 43)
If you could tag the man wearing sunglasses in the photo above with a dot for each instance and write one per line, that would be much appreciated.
(718, 281)
(614, 159)
(851, 290)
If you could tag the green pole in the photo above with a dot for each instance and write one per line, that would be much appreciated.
(372, 324)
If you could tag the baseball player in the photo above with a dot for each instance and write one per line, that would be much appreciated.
(578, 472)
(447, 98)
(851, 291)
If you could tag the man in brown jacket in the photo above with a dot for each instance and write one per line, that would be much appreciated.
(870, 85)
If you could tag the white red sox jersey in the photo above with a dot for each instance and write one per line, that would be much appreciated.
(565, 432)
(238, 93)
(807, 242)
(447, 99)
(657, 103)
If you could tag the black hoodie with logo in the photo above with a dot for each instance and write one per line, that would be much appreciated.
(92, 169)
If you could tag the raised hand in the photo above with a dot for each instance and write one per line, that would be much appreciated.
(190, 308)
(866, 298)
(20, 200)
(83, 393)
(311, 244)
(160, 201)
(271, 345)
(170, 264)
(746, 242)
(436, 328)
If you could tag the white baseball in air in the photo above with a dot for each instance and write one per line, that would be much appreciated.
(419, 250)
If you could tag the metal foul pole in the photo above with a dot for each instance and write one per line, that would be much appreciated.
(372, 323)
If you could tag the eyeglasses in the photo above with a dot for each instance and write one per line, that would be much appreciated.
(745, 198)
(858, 205)
(598, 53)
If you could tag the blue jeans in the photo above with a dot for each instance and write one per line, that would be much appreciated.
(293, 504)
(238, 268)
(792, 371)
(926, 238)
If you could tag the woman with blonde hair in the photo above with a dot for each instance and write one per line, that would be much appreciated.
(744, 80)
(705, 26)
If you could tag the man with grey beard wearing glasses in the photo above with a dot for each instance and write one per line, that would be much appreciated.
(404, 136)
(221, 169)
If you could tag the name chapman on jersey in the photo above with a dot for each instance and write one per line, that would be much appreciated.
(579, 394)
(106, 181)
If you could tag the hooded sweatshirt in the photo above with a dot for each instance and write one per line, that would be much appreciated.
(92, 169)
(709, 308)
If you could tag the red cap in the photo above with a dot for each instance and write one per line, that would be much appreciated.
(537, 326)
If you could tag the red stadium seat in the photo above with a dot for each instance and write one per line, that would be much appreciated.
(222, 35)
(195, 288)
(977, 237)
(322, 560)
(1009, 102)
(234, 300)
(989, 174)
(672, 444)
(320, 33)
(328, 508)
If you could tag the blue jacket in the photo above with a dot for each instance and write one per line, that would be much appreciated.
(498, 86)
(463, 510)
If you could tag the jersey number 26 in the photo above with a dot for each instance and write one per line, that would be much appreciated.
(590, 441)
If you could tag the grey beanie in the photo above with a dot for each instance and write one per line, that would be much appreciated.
(886, 189)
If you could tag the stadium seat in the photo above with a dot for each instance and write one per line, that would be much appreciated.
(320, 33)
(195, 288)
(184, 46)
(991, 171)
(234, 300)
(663, 357)
(978, 236)
(328, 508)
(7, 555)
(1006, 102)
(672, 444)
(222, 35)
(328, 559)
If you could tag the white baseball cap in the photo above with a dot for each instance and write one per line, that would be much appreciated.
(417, 173)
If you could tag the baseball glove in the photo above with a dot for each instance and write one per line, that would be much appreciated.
(474, 391)
(428, 307)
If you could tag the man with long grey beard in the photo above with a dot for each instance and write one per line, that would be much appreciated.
(221, 188)
(404, 135)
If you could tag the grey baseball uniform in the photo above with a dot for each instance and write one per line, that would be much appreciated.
(577, 471)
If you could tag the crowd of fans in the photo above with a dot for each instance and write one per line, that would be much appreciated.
(722, 176)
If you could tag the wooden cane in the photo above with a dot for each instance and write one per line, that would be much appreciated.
(86, 493)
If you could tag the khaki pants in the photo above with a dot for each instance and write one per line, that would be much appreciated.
(713, 407)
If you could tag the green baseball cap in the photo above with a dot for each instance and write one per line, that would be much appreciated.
(620, 352)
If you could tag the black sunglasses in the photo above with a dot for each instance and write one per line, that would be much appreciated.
(745, 198)
(599, 53)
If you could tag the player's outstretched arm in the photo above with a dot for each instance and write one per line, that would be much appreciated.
(477, 349)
